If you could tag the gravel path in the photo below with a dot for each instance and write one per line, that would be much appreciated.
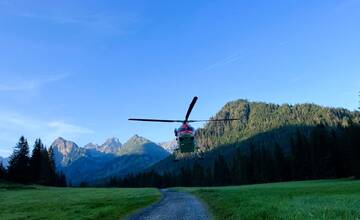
(172, 206)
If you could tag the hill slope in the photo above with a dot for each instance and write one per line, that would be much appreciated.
(261, 123)
(258, 117)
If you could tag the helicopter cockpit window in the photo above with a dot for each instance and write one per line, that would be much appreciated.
(186, 129)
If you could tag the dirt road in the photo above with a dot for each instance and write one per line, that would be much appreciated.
(173, 206)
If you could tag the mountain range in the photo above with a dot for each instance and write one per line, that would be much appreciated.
(95, 163)
(111, 145)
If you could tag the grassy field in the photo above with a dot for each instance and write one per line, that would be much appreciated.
(36, 202)
(324, 199)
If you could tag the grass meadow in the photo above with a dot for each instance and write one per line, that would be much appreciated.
(37, 202)
(322, 199)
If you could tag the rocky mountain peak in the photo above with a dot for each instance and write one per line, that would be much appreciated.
(64, 146)
(137, 139)
(138, 145)
(66, 151)
(112, 142)
(111, 145)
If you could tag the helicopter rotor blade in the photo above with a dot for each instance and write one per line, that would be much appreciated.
(155, 120)
(192, 104)
(223, 119)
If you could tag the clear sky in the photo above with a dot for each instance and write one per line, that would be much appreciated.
(79, 69)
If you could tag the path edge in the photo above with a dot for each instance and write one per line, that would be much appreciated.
(205, 205)
(137, 213)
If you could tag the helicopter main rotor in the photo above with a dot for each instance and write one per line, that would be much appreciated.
(191, 106)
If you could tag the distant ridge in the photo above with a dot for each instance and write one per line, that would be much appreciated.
(169, 146)
(140, 145)
(93, 163)
(111, 145)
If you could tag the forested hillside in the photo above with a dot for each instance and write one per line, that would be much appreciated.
(280, 121)
(270, 143)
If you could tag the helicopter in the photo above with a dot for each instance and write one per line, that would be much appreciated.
(185, 134)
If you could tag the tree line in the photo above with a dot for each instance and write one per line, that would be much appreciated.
(323, 153)
(39, 168)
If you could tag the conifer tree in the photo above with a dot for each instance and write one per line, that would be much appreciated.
(221, 172)
(280, 163)
(239, 169)
(354, 136)
(2, 171)
(61, 180)
(36, 161)
(252, 166)
(209, 177)
(198, 175)
(18, 169)
(47, 174)
(52, 169)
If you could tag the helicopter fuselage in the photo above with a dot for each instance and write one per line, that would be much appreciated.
(185, 137)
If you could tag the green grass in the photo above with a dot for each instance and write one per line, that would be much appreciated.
(36, 202)
(323, 199)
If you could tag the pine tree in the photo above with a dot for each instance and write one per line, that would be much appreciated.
(239, 169)
(198, 175)
(48, 175)
(61, 180)
(52, 169)
(251, 164)
(185, 176)
(280, 163)
(2, 171)
(354, 141)
(301, 155)
(209, 177)
(221, 172)
(36, 161)
(18, 170)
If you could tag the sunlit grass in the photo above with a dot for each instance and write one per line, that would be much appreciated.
(324, 199)
(36, 202)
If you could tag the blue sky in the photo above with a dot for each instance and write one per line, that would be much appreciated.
(79, 69)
